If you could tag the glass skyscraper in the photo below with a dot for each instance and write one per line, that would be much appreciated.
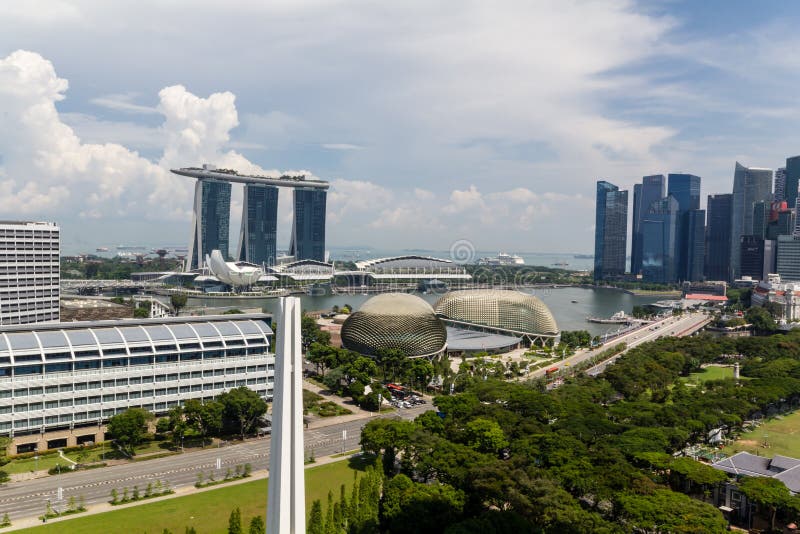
(611, 231)
(685, 189)
(308, 229)
(660, 242)
(211, 221)
(792, 180)
(750, 185)
(718, 237)
(650, 190)
(258, 239)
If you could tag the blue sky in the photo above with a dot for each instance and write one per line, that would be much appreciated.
(486, 121)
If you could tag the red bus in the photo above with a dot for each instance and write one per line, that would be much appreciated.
(551, 371)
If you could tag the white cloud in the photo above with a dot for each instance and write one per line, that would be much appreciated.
(461, 201)
(341, 146)
(123, 102)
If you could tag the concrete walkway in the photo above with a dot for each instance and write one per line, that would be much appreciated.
(179, 492)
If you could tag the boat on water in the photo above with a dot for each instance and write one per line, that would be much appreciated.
(574, 301)
(618, 318)
(560, 264)
(502, 259)
(583, 256)
(101, 249)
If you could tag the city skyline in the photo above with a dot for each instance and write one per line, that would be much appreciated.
(420, 146)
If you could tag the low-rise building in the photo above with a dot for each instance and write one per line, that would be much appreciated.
(785, 294)
(59, 383)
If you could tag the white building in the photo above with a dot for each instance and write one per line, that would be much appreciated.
(787, 294)
(29, 272)
(60, 382)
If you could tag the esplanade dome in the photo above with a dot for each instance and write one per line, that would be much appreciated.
(394, 321)
(499, 308)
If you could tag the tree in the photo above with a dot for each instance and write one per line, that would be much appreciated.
(235, 522)
(205, 418)
(310, 332)
(315, 524)
(242, 407)
(414, 507)
(178, 301)
(484, 435)
(257, 525)
(667, 511)
(129, 428)
(761, 319)
(768, 493)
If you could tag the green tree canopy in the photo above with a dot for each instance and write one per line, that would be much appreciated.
(129, 428)
(242, 407)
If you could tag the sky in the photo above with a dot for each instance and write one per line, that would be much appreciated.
(435, 122)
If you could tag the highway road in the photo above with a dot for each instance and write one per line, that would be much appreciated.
(28, 498)
(671, 326)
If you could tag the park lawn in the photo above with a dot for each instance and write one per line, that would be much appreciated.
(208, 511)
(782, 437)
(712, 372)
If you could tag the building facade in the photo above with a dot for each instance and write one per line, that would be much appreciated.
(660, 242)
(750, 185)
(756, 255)
(29, 272)
(792, 180)
(650, 190)
(785, 294)
(258, 239)
(694, 251)
(788, 258)
(210, 221)
(718, 237)
(779, 192)
(308, 229)
(611, 231)
(69, 377)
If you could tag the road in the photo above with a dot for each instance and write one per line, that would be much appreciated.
(28, 498)
(671, 326)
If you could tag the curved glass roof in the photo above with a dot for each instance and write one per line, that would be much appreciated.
(26, 341)
(52, 340)
(159, 333)
(106, 335)
(134, 334)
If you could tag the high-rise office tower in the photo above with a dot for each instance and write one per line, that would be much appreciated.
(782, 221)
(749, 186)
(651, 189)
(757, 257)
(308, 229)
(718, 237)
(762, 211)
(210, 221)
(792, 180)
(660, 241)
(780, 184)
(685, 189)
(694, 241)
(258, 239)
(611, 229)
(788, 261)
(29, 271)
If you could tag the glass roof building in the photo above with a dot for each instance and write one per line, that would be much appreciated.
(64, 376)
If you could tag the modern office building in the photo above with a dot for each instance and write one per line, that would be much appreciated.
(29, 272)
(782, 221)
(758, 257)
(718, 237)
(650, 190)
(660, 242)
(694, 241)
(308, 228)
(210, 221)
(788, 258)
(762, 212)
(59, 383)
(750, 185)
(611, 231)
(685, 188)
(779, 192)
(792, 180)
(258, 238)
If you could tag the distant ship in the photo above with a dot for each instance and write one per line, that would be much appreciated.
(583, 256)
(502, 259)
(560, 264)
(101, 249)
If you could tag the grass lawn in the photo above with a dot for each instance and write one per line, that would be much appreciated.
(782, 437)
(207, 512)
(711, 372)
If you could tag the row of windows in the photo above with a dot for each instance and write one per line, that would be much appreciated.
(133, 395)
(132, 381)
(40, 317)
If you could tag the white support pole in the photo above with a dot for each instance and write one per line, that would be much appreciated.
(286, 508)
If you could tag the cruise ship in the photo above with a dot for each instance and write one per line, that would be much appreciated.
(502, 259)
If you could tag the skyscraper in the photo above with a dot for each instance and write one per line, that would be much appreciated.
(210, 221)
(29, 263)
(611, 231)
(792, 180)
(308, 229)
(685, 189)
(718, 237)
(660, 241)
(650, 190)
(761, 218)
(258, 237)
(780, 184)
(749, 186)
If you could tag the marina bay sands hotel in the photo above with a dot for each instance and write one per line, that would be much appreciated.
(258, 235)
